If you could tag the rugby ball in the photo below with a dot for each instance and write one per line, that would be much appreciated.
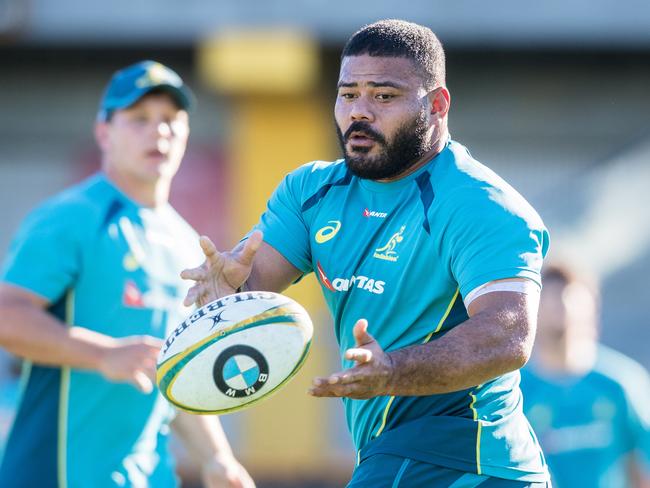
(233, 352)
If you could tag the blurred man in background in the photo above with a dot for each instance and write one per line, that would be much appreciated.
(588, 404)
(414, 240)
(88, 291)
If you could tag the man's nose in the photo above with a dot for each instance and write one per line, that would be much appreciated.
(361, 110)
(164, 129)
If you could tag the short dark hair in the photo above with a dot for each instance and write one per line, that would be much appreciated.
(400, 38)
(567, 273)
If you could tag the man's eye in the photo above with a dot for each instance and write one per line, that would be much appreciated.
(347, 96)
(384, 96)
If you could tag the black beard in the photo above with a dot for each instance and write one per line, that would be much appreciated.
(408, 145)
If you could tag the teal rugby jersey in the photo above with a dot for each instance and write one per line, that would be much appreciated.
(402, 255)
(592, 421)
(110, 265)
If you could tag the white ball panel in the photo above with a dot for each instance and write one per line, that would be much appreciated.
(282, 345)
(222, 314)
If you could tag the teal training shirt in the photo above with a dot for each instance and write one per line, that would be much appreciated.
(403, 255)
(110, 265)
(593, 421)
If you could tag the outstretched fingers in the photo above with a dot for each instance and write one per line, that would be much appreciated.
(359, 355)
(195, 274)
(221, 273)
(208, 247)
(195, 295)
(360, 332)
(142, 382)
(339, 385)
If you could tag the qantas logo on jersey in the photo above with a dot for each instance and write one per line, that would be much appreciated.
(361, 282)
(371, 213)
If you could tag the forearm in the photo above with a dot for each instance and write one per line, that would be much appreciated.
(32, 333)
(471, 354)
(202, 436)
(637, 471)
(271, 271)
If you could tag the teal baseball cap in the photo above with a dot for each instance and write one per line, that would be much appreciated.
(130, 84)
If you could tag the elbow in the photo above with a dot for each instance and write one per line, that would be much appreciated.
(7, 329)
(510, 332)
(516, 344)
(519, 358)
(520, 349)
(512, 360)
(12, 333)
(5, 314)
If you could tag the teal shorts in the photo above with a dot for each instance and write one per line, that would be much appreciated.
(386, 471)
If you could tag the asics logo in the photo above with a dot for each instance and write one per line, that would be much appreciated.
(328, 232)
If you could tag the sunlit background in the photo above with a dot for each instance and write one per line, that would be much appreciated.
(554, 96)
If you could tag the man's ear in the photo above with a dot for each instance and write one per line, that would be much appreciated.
(439, 102)
(101, 134)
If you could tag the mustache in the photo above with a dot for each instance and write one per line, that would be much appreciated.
(366, 129)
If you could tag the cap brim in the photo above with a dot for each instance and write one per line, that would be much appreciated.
(182, 95)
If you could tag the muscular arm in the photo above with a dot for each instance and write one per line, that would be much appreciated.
(28, 331)
(497, 338)
(271, 271)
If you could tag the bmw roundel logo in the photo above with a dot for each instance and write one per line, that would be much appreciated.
(239, 371)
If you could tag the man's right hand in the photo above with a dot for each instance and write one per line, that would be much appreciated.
(131, 360)
(221, 274)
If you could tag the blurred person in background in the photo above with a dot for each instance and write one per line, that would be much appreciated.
(89, 289)
(415, 241)
(10, 367)
(588, 404)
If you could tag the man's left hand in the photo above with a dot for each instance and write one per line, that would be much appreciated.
(226, 472)
(370, 377)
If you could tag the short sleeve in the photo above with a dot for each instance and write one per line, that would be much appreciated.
(283, 224)
(492, 234)
(44, 256)
(637, 428)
